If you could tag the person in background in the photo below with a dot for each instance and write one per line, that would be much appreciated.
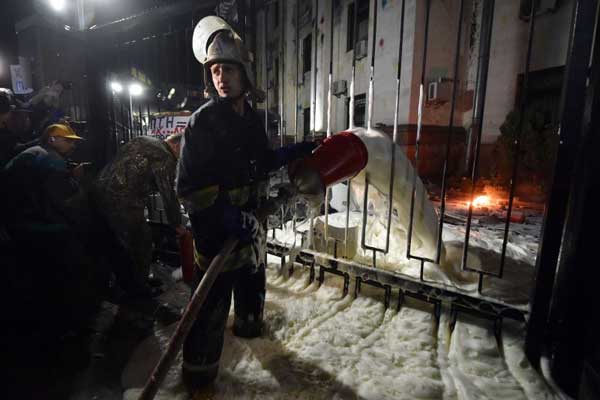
(8, 139)
(221, 180)
(15, 124)
(143, 166)
(46, 105)
(41, 217)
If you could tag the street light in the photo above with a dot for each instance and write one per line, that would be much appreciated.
(116, 87)
(60, 5)
(135, 89)
(57, 5)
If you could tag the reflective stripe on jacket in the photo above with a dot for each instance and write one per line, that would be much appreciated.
(225, 159)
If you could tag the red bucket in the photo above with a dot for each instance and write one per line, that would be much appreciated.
(186, 252)
(340, 157)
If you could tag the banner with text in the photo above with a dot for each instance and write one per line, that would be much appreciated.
(163, 125)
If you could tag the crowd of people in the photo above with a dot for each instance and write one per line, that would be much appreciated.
(64, 240)
(70, 239)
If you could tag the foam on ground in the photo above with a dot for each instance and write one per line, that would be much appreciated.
(320, 345)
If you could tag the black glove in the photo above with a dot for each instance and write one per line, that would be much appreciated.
(287, 154)
(239, 224)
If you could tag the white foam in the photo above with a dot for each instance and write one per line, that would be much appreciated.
(320, 345)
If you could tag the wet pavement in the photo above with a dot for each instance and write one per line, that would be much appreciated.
(85, 362)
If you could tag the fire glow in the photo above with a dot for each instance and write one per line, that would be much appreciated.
(480, 201)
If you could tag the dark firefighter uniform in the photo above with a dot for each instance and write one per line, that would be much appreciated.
(224, 162)
(141, 167)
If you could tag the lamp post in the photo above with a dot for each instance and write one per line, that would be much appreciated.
(81, 14)
(115, 88)
(57, 5)
(135, 89)
(60, 5)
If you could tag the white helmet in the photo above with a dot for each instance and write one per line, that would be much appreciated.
(215, 41)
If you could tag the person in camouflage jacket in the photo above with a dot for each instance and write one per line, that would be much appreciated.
(141, 167)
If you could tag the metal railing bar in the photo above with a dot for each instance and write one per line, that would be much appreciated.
(353, 75)
(282, 24)
(296, 105)
(129, 125)
(387, 289)
(334, 271)
(265, 64)
(401, 299)
(114, 120)
(573, 116)
(140, 119)
(148, 115)
(372, 66)
(487, 21)
(329, 103)
(282, 133)
(412, 286)
(369, 120)
(450, 131)
(123, 126)
(314, 71)
(351, 119)
(363, 240)
(395, 131)
(517, 144)
(419, 127)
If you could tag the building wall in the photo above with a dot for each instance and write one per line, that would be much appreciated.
(507, 59)
(508, 52)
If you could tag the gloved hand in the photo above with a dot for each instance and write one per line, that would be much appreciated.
(287, 154)
(239, 224)
(285, 193)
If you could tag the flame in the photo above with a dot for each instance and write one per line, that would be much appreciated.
(482, 201)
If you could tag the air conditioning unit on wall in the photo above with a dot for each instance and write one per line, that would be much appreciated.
(361, 49)
(439, 90)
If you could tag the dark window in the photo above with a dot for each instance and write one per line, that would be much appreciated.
(307, 53)
(360, 108)
(362, 24)
(306, 121)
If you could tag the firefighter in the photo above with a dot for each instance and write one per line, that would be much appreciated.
(141, 167)
(222, 176)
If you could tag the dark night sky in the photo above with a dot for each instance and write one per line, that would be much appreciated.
(100, 12)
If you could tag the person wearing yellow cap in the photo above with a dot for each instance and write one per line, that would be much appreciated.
(61, 138)
(41, 218)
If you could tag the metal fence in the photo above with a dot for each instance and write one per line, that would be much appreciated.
(140, 55)
(162, 61)
(434, 292)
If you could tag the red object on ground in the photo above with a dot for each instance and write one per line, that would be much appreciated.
(340, 157)
(186, 252)
(515, 216)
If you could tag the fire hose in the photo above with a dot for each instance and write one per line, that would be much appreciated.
(339, 157)
(191, 311)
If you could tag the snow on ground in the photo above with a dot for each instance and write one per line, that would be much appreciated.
(320, 345)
